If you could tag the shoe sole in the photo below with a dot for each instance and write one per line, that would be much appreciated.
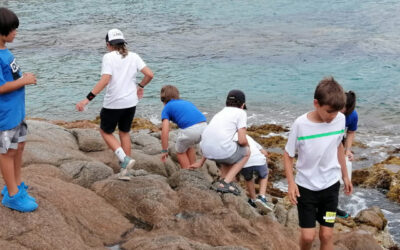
(124, 178)
(18, 209)
(130, 164)
(262, 206)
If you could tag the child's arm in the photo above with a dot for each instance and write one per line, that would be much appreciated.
(148, 76)
(101, 84)
(164, 139)
(349, 142)
(348, 186)
(293, 189)
(242, 140)
(26, 79)
(264, 152)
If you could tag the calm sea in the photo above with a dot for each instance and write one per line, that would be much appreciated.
(275, 51)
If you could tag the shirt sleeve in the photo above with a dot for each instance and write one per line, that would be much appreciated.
(140, 63)
(291, 144)
(242, 120)
(164, 113)
(106, 68)
(353, 121)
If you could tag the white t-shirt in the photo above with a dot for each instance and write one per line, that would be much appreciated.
(256, 157)
(217, 138)
(121, 90)
(317, 165)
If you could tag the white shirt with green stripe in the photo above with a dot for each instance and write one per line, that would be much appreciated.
(316, 144)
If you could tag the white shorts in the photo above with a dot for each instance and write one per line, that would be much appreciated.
(9, 139)
(189, 137)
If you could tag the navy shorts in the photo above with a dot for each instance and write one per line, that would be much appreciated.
(318, 206)
(110, 118)
(261, 171)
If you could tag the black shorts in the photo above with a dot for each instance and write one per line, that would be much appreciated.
(248, 172)
(318, 205)
(110, 118)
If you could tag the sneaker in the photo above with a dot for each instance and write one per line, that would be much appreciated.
(262, 204)
(341, 214)
(251, 203)
(23, 187)
(127, 163)
(124, 175)
(19, 202)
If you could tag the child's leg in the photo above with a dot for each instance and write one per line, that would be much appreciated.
(8, 171)
(251, 189)
(125, 142)
(263, 185)
(223, 170)
(235, 168)
(191, 154)
(110, 140)
(326, 237)
(18, 162)
(306, 238)
(183, 160)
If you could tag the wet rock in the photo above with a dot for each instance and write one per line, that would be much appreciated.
(47, 133)
(89, 140)
(357, 240)
(372, 217)
(86, 173)
(145, 199)
(68, 215)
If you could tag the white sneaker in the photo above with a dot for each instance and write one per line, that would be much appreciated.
(127, 163)
(124, 175)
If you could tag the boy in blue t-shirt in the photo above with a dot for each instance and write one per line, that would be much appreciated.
(13, 128)
(190, 121)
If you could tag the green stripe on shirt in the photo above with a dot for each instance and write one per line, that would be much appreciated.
(320, 135)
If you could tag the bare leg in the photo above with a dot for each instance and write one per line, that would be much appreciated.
(18, 162)
(251, 188)
(183, 160)
(223, 170)
(306, 238)
(326, 238)
(263, 186)
(125, 142)
(7, 170)
(110, 140)
(191, 154)
(235, 168)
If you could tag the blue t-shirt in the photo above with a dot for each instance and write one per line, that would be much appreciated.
(183, 113)
(12, 104)
(352, 121)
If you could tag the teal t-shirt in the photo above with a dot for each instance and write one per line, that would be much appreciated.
(12, 104)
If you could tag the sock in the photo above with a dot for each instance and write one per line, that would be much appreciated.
(120, 154)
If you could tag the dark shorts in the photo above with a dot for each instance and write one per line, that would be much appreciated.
(237, 156)
(248, 172)
(318, 206)
(110, 118)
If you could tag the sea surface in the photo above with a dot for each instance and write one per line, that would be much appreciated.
(275, 51)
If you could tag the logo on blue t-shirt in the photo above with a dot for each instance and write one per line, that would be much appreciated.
(16, 71)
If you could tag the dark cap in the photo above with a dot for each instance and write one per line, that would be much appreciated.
(237, 95)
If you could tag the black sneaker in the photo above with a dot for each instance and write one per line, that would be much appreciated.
(341, 214)
(251, 203)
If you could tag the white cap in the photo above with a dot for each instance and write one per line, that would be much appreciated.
(115, 36)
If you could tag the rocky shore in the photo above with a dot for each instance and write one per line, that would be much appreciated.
(82, 205)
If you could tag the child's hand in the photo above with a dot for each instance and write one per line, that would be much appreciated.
(195, 165)
(164, 157)
(140, 92)
(293, 193)
(348, 186)
(29, 78)
(80, 106)
(350, 155)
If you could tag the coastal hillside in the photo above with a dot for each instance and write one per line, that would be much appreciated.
(82, 204)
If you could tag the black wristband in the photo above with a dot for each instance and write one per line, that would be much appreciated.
(140, 85)
(90, 96)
